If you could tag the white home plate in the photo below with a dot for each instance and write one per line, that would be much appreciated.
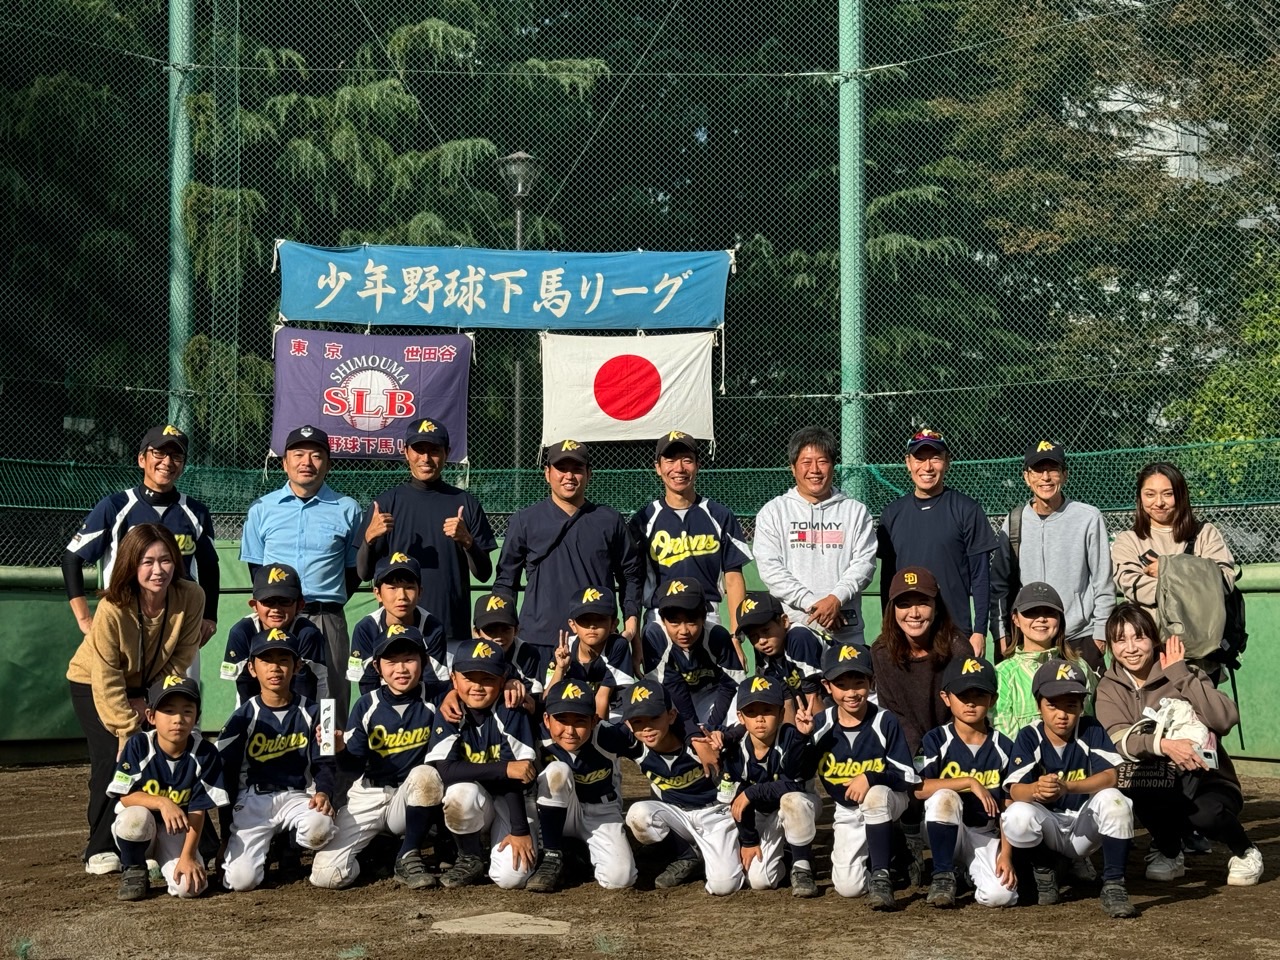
(502, 924)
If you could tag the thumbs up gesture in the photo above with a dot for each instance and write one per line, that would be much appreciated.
(455, 528)
(379, 524)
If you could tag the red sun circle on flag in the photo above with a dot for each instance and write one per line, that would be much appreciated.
(627, 387)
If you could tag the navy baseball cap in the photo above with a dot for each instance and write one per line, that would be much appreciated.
(426, 430)
(166, 435)
(645, 699)
(398, 638)
(307, 434)
(567, 450)
(264, 641)
(1057, 678)
(970, 673)
(396, 563)
(761, 690)
(169, 686)
(493, 609)
(927, 438)
(758, 608)
(841, 658)
(1037, 594)
(570, 696)
(684, 593)
(276, 580)
(483, 656)
(1044, 451)
(675, 440)
(592, 599)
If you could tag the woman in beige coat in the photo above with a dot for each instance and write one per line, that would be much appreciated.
(146, 626)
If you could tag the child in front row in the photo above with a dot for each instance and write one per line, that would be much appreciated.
(766, 763)
(1062, 782)
(964, 765)
(866, 769)
(598, 655)
(787, 654)
(397, 585)
(167, 781)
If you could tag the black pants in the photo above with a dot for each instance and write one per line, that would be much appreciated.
(1212, 807)
(103, 747)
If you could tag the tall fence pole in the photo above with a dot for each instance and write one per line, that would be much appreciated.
(853, 449)
(181, 31)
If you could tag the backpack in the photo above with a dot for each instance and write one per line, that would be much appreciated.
(1234, 635)
(1190, 602)
(1015, 568)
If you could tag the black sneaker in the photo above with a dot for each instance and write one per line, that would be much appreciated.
(412, 872)
(134, 884)
(466, 871)
(802, 884)
(942, 890)
(880, 891)
(679, 872)
(917, 874)
(550, 872)
(1115, 901)
(1046, 886)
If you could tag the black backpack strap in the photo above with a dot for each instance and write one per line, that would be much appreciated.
(1015, 530)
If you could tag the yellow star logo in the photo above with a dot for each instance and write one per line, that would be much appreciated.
(1066, 672)
(399, 558)
(677, 435)
(747, 606)
(171, 681)
(639, 693)
(676, 586)
(971, 666)
(277, 634)
(395, 629)
(482, 650)
(848, 653)
(760, 683)
(496, 603)
(570, 445)
(426, 427)
(171, 431)
(572, 691)
(591, 595)
(1044, 445)
(276, 575)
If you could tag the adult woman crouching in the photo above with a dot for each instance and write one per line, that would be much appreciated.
(1203, 797)
(146, 626)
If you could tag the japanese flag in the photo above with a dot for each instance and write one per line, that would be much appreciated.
(626, 388)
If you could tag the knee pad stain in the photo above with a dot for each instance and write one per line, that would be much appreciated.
(425, 788)
(949, 806)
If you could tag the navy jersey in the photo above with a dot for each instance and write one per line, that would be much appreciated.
(1088, 752)
(799, 666)
(711, 663)
(524, 663)
(875, 748)
(944, 756)
(782, 768)
(596, 773)
(496, 735)
(272, 748)
(311, 680)
(702, 544)
(364, 638)
(611, 669)
(388, 733)
(193, 781)
(677, 778)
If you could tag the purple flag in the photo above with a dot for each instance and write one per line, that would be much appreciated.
(364, 391)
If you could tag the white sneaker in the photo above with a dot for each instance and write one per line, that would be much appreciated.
(1162, 868)
(102, 863)
(1245, 871)
(154, 873)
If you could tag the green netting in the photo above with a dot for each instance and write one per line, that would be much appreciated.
(1070, 228)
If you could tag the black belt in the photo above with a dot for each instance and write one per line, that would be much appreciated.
(318, 606)
(268, 788)
(382, 782)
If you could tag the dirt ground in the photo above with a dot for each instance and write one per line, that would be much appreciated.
(50, 908)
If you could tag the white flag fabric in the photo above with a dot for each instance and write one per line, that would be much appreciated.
(626, 388)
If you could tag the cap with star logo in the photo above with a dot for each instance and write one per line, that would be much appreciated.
(480, 656)
(566, 450)
(758, 608)
(761, 690)
(970, 673)
(682, 593)
(1044, 451)
(494, 610)
(1057, 678)
(387, 567)
(644, 699)
(570, 696)
(171, 686)
(273, 581)
(426, 430)
(273, 638)
(592, 599)
(398, 638)
(674, 442)
(841, 658)
(165, 435)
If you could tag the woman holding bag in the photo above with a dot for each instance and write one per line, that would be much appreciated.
(1204, 793)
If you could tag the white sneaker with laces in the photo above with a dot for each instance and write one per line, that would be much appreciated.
(1245, 871)
(103, 863)
(1162, 868)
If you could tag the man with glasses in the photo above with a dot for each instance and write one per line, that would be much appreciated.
(162, 456)
(1061, 542)
(945, 532)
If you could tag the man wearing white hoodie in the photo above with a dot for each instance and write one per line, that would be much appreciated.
(815, 547)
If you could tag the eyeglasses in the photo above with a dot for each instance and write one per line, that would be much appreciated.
(178, 459)
(1046, 471)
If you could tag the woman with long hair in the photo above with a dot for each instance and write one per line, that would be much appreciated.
(147, 626)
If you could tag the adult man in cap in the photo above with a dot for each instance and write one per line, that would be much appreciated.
(684, 535)
(942, 530)
(314, 529)
(563, 542)
(441, 526)
(1061, 542)
(162, 457)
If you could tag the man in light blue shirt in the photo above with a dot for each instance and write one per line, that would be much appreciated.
(314, 529)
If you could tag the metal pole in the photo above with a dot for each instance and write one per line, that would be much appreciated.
(515, 432)
(853, 451)
(181, 32)
(519, 224)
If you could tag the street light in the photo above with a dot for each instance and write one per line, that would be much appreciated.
(519, 170)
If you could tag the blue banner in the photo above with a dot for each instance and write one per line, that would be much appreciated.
(469, 287)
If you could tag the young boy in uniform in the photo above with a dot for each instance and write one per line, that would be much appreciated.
(687, 809)
(791, 656)
(276, 778)
(1062, 784)
(866, 768)
(598, 655)
(495, 620)
(486, 764)
(397, 586)
(765, 769)
(276, 604)
(386, 742)
(696, 664)
(579, 790)
(167, 781)
(964, 765)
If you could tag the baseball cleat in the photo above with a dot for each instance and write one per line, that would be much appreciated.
(880, 891)
(412, 872)
(942, 890)
(1115, 901)
(802, 884)
(134, 884)
(466, 871)
(679, 872)
(1046, 886)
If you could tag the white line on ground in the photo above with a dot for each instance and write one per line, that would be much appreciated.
(41, 836)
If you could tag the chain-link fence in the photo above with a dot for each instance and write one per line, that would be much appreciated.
(1069, 213)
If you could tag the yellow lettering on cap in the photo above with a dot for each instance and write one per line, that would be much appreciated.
(676, 586)
(482, 650)
(399, 558)
(1044, 445)
(570, 445)
(677, 435)
(1066, 672)
(276, 575)
(760, 683)
(426, 427)
(171, 431)
(395, 629)
(572, 691)
(277, 634)
(591, 595)
(495, 603)
(971, 666)
(639, 693)
(747, 606)
(172, 681)
(849, 653)
(910, 579)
